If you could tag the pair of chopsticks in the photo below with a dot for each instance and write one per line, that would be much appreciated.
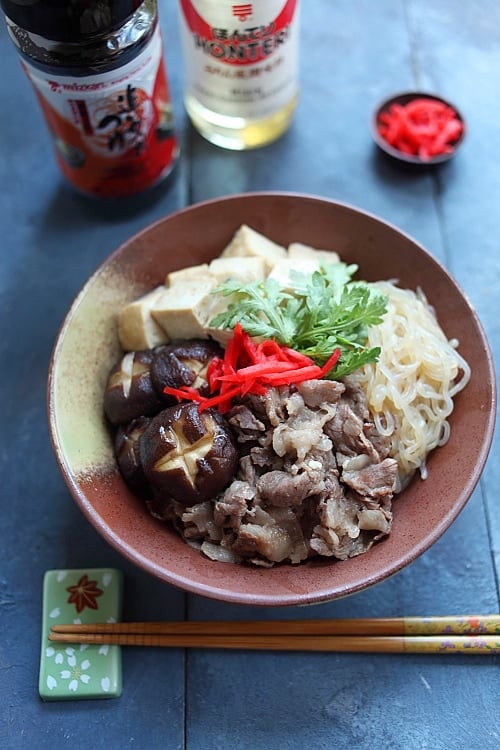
(472, 634)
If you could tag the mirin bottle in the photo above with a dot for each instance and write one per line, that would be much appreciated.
(241, 64)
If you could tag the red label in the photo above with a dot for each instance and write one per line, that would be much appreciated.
(243, 43)
(112, 138)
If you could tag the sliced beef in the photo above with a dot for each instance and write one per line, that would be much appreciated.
(233, 505)
(346, 431)
(303, 432)
(271, 406)
(375, 520)
(265, 457)
(276, 539)
(381, 443)
(247, 470)
(355, 397)
(272, 542)
(374, 480)
(313, 478)
(318, 392)
(247, 425)
(287, 490)
(199, 522)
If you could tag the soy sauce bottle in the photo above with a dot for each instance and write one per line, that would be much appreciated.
(98, 71)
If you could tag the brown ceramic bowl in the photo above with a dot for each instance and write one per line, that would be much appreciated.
(87, 346)
(403, 99)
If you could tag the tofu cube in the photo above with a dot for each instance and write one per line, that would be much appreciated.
(183, 309)
(300, 251)
(245, 269)
(187, 274)
(282, 269)
(137, 329)
(248, 242)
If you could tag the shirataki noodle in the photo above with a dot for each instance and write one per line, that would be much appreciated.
(410, 390)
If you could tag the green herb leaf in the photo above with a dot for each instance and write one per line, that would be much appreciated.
(314, 315)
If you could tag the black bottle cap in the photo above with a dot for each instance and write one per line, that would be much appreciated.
(69, 20)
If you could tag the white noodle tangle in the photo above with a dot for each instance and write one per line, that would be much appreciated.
(410, 390)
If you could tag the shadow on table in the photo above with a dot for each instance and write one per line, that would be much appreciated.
(389, 170)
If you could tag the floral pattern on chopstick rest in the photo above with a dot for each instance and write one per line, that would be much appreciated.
(70, 672)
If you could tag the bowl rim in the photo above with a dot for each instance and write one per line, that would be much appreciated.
(213, 590)
(404, 97)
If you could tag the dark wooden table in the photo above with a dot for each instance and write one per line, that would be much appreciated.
(353, 53)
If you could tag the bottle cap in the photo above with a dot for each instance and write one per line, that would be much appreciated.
(73, 21)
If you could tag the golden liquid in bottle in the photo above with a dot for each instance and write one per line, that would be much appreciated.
(241, 69)
(238, 133)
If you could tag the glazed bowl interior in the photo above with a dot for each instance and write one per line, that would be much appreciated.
(87, 347)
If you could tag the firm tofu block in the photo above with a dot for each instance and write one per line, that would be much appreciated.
(244, 269)
(137, 329)
(187, 275)
(248, 242)
(282, 269)
(298, 250)
(67, 672)
(217, 304)
(221, 335)
(184, 309)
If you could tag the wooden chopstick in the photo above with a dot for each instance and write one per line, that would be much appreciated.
(467, 634)
(449, 625)
(470, 644)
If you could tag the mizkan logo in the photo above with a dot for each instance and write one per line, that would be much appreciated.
(239, 33)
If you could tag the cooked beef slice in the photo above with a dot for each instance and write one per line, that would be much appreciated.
(314, 479)
(287, 490)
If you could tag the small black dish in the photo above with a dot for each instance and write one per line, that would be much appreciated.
(403, 99)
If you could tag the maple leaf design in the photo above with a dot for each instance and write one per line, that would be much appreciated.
(84, 594)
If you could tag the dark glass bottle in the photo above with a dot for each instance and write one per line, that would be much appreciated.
(98, 71)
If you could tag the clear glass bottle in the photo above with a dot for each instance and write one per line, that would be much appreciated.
(98, 72)
(241, 62)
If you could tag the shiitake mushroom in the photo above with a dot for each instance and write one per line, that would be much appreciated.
(183, 363)
(136, 382)
(169, 452)
(188, 455)
(129, 390)
(128, 455)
